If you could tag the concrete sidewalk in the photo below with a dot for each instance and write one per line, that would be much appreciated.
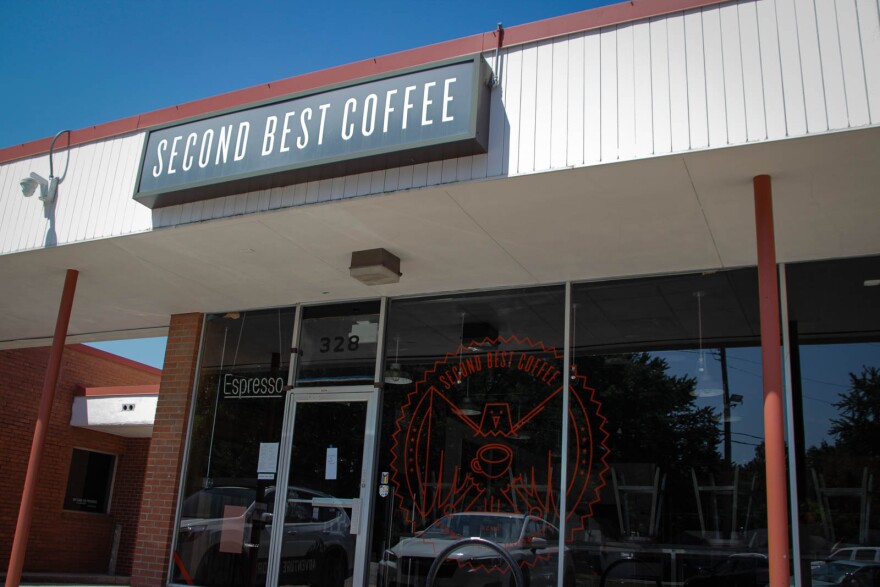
(69, 580)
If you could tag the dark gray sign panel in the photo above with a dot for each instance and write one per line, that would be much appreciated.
(401, 119)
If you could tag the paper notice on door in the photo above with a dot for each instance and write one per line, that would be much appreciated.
(330, 465)
(268, 462)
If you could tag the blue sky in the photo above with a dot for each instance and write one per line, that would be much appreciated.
(75, 64)
(70, 65)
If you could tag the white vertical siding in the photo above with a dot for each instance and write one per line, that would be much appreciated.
(593, 97)
(94, 199)
(661, 86)
(728, 74)
(869, 35)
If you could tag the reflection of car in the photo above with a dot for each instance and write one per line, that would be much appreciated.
(850, 553)
(847, 573)
(856, 553)
(531, 542)
(224, 538)
(748, 569)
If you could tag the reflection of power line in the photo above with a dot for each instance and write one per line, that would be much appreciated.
(761, 438)
(746, 443)
(845, 386)
(746, 371)
(816, 399)
(759, 376)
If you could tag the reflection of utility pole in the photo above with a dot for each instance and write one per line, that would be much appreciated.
(725, 390)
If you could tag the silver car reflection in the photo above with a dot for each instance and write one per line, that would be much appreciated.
(532, 542)
(224, 539)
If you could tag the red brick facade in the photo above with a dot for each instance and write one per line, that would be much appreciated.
(162, 480)
(67, 541)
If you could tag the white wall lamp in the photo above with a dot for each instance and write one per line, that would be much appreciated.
(375, 267)
(48, 187)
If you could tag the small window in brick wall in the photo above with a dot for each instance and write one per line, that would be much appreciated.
(89, 481)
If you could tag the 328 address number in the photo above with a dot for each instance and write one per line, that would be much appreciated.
(339, 344)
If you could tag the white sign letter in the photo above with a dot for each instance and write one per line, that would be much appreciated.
(302, 141)
(286, 131)
(426, 103)
(446, 100)
(269, 135)
(162, 146)
(407, 105)
(348, 129)
(244, 130)
(388, 109)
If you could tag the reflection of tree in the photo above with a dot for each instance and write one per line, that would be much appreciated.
(652, 416)
(654, 421)
(856, 432)
(854, 453)
(858, 428)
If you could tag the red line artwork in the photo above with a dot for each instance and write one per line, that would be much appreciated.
(503, 456)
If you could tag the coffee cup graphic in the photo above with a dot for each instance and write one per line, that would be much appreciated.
(492, 460)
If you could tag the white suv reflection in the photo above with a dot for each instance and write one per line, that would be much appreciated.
(532, 542)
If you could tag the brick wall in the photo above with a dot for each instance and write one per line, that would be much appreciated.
(65, 541)
(162, 480)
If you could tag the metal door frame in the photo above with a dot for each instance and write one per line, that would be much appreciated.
(360, 515)
(358, 393)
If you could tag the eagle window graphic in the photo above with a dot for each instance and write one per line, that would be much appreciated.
(481, 434)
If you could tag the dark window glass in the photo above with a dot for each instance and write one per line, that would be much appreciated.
(338, 344)
(834, 324)
(673, 368)
(471, 431)
(89, 481)
(234, 441)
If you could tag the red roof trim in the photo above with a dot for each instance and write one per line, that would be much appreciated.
(527, 33)
(119, 390)
(82, 348)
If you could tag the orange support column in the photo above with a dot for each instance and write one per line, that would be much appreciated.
(53, 368)
(771, 360)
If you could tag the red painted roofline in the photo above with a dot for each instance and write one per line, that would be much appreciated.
(517, 35)
(82, 348)
(119, 390)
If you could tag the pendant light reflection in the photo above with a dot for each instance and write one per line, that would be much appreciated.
(468, 407)
(394, 374)
(705, 386)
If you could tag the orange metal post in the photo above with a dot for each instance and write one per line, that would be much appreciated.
(771, 359)
(25, 511)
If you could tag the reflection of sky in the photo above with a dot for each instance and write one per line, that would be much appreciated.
(744, 378)
(825, 373)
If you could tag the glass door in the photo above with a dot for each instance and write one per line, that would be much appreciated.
(322, 542)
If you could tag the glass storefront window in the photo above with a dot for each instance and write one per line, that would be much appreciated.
(229, 481)
(471, 436)
(674, 365)
(662, 476)
(338, 344)
(834, 324)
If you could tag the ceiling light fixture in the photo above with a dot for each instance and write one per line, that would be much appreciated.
(705, 386)
(395, 374)
(375, 267)
(467, 407)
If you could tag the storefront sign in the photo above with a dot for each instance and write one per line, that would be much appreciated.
(252, 386)
(402, 119)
